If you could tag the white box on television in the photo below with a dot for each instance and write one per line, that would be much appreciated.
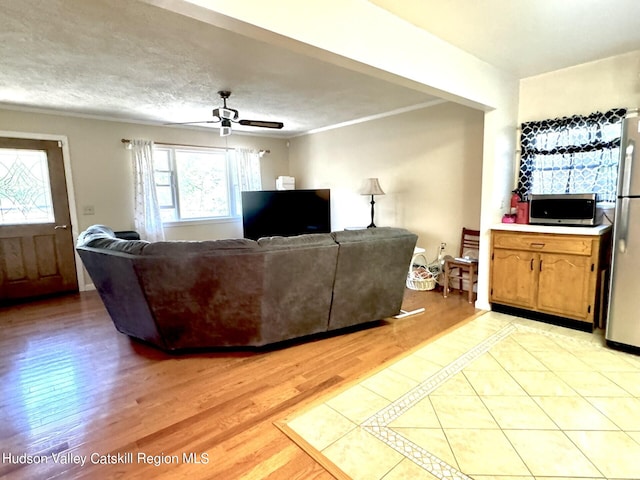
(285, 183)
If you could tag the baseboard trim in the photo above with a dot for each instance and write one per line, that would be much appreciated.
(543, 317)
(88, 287)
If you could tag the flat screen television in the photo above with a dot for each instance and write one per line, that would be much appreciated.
(268, 213)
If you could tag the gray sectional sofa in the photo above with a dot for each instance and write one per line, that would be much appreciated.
(238, 292)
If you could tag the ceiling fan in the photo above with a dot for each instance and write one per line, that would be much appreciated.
(226, 116)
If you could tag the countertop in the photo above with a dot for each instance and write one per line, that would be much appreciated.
(518, 227)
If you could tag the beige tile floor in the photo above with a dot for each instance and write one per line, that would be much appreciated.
(500, 398)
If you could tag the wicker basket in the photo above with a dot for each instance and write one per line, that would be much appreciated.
(420, 278)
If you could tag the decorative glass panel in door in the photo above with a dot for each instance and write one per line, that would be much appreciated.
(25, 193)
(36, 245)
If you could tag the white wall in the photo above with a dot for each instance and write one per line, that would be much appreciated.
(596, 86)
(429, 163)
(102, 169)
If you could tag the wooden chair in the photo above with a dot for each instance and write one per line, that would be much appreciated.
(464, 267)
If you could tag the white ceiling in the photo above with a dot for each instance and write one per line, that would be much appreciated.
(143, 63)
(528, 37)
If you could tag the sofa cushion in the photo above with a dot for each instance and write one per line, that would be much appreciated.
(298, 273)
(101, 236)
(133, 247)
(367, 234)
(195, 247)
(306, 240)
(370, 274)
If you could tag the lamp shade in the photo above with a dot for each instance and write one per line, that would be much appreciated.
(371, 187)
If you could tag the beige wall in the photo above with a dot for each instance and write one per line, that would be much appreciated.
(101, 166)
(596, 86)
(429, 163)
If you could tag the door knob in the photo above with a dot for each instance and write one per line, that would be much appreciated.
(60, 227)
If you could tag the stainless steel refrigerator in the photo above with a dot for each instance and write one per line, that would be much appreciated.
(623, 324)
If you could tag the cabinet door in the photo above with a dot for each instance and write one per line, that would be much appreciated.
(514, 277)
(563, 287)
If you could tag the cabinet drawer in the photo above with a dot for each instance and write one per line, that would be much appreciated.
(575, 245)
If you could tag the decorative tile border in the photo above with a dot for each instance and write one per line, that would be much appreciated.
(377, 424)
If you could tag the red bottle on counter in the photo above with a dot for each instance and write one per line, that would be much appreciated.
(522, 212)
(515, 198)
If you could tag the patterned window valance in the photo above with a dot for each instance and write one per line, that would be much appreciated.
(577, 154)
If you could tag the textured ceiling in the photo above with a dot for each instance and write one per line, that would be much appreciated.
(129, 60)
(140, 62)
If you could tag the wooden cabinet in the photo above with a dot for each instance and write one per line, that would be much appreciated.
(515, 278)
(560, 275)
(564, 285)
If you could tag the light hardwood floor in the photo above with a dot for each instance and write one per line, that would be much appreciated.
(72, 385)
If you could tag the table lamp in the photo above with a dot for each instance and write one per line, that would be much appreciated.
(371, 187)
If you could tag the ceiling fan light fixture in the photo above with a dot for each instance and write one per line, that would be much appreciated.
(225, 128)
(225, 113)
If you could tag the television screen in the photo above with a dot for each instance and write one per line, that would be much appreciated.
(268, 213)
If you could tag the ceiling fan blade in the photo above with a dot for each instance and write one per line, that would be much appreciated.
(261, 123)
(192, 123)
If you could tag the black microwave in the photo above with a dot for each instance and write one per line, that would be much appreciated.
(577, 209)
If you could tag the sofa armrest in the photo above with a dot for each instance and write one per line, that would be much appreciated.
(114, 276)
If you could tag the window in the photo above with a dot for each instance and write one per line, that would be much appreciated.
(197, 183)
(577, 154)
(25, 193)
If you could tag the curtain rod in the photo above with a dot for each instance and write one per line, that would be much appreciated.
(126, 140)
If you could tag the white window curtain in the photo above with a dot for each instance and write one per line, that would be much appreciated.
(247, 164)
(147, 220)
